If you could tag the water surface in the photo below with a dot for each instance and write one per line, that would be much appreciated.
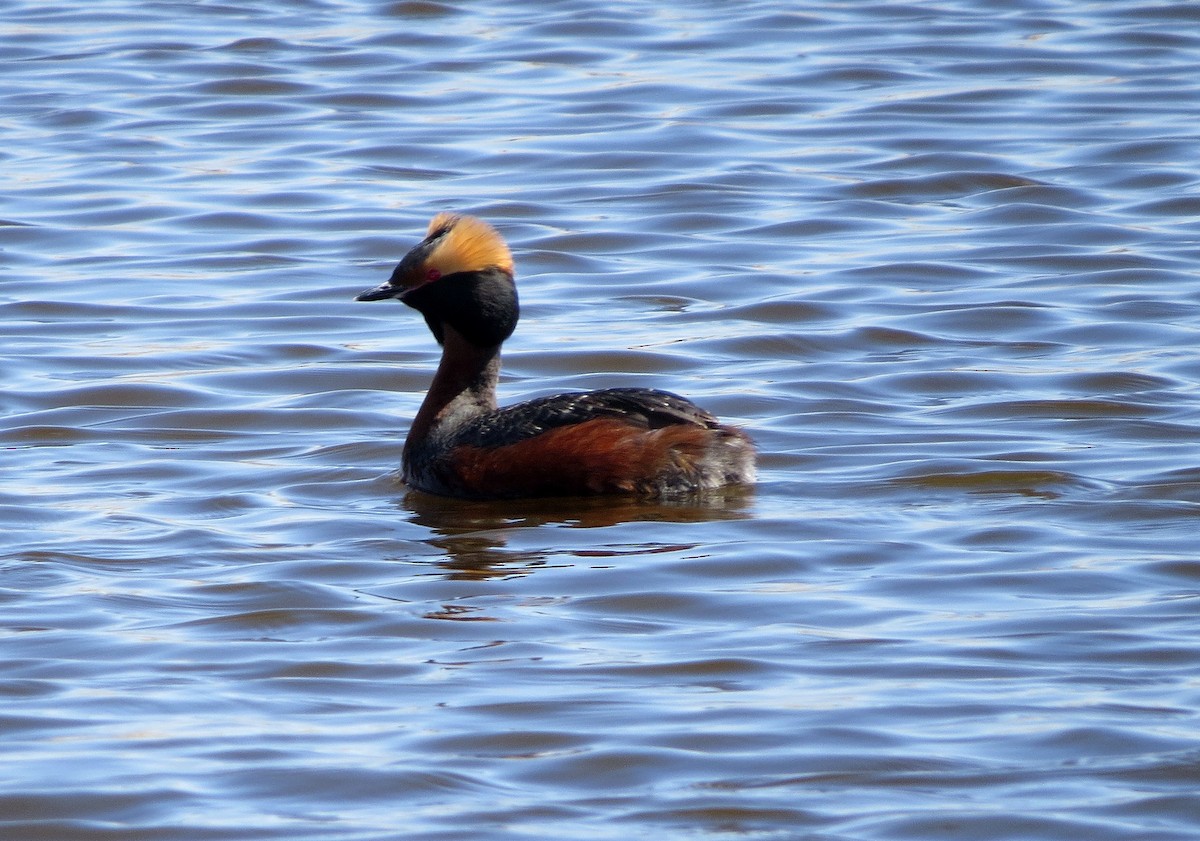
(939, 259)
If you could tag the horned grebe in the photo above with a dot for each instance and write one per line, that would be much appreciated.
(617, 440)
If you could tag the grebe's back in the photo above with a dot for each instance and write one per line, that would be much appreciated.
(619, 440)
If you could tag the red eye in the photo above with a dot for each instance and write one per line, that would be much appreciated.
(432, 274)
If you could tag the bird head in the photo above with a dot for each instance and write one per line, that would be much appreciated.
(461, 274)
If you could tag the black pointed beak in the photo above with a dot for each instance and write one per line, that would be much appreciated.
(381, 292)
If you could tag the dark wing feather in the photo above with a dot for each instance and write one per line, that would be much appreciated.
(642, 407)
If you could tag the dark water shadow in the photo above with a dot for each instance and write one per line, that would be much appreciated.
(477, 536)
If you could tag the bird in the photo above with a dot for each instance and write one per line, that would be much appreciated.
(636, 441)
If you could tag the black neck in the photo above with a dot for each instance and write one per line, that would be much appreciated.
(463, 387)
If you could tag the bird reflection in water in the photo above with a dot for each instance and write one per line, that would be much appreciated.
(476, 535)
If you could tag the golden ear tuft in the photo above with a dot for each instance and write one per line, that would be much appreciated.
(441, 221)
(470, 245)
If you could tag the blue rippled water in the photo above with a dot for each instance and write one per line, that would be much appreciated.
(939, 259)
